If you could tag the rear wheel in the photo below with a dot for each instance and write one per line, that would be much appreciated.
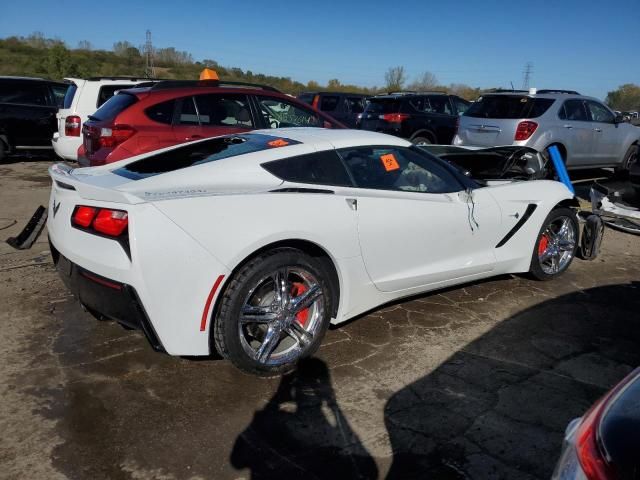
(421, 141)
(274, 312)
(556, 245)
(630, 159)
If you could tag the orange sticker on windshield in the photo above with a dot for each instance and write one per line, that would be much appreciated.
(278, 143)
(389, 162)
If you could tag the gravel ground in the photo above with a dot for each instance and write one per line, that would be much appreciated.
(474, 382)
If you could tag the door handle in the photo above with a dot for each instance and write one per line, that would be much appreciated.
(597, 129)
(568, 126)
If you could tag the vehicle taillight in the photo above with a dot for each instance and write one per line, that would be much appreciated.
(525, 130)
(316, 102)
(72, 126)
(106, 221)
(111, 222)
(83, 216)
(110, 137)
(394, 117)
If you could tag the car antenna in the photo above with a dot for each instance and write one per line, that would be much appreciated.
(512, 87)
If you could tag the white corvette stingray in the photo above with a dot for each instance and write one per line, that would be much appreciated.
(252, 244)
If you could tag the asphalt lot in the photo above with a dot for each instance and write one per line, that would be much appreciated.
(474, 382)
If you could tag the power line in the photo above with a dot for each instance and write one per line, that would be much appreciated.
(526, 75)
(150, 71)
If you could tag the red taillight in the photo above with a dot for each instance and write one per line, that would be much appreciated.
(525, 130)
(83, 216)
(110, 137)
(72, 126)
(593, 463)
(316, 102)
(102, 220)
(394, 117)
(111, 222)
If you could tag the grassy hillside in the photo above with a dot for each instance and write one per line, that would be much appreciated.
(41, 57)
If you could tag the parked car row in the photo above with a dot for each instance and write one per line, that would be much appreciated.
(105, 119)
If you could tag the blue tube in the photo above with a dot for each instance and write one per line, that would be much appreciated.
(558, 164)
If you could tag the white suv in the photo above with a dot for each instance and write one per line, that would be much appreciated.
(84, 96)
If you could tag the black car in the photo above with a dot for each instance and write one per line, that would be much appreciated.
(422, 118)
(28, 109)
(344, 107)
(605, 442)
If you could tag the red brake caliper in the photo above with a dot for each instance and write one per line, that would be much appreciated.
(542, 246)
(298, 289)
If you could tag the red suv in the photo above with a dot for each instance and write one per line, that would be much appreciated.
(140, 120)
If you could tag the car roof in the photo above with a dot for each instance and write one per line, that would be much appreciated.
(32, 79)
(397, 95)
(351, 94)
(553, 96)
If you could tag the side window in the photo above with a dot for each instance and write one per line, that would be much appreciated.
(418, 103)
(600, 113)
(108, 91)
(216, 110)
(355, 104)
(328, 103)
(575, 110)
(26, 93)
(461, 105)
(59, 92)
(161, 112)
(278, 113)
(324, 168)
(399, 169)
(440, 104)
(188, 114)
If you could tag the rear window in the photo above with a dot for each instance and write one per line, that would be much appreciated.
(356, 104)
(383, 105)
(108, 91)
(199, 153)
(508, 106)
(68, 96)
(328, 103)
(26, 93)
(306, 98)
(113, 107)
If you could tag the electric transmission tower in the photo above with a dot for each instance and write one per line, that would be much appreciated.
(149, 71)
(526, 75)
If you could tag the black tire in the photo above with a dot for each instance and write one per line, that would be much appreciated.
(630, 158)
(537, 269)
(231, 339)
(421, 141)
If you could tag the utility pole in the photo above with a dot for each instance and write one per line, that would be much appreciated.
(526, 75)
(149, 71)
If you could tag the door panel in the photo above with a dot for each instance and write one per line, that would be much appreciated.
(577, 133)
(410, 240)
(606, 135)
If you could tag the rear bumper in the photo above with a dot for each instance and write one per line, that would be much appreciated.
(66, 147)
(105, 297)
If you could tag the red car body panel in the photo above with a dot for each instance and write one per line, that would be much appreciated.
(147, 135)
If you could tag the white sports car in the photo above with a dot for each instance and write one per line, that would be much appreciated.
(252, 244)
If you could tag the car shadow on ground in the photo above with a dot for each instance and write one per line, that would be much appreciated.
(496, 409)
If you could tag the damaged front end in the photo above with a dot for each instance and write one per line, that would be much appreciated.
(614, 210)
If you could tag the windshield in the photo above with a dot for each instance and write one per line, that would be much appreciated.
(508, 106)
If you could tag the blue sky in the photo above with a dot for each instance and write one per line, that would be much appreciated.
(589, 46)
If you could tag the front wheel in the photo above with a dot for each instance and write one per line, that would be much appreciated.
(556, 245)
(274, 312)
(421, 141)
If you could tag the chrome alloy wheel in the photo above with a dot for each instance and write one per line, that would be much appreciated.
(557, 245)
(280, 316)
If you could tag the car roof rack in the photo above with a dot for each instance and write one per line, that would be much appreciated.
(553, 90)
(168, 84)
(506, 90)
(123, 77)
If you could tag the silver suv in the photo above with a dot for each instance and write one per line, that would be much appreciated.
(585, 130)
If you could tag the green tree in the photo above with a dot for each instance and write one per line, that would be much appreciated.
(426, 81)
(625, 98)
(59, 63)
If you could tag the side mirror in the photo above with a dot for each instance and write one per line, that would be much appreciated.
(618, 119)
